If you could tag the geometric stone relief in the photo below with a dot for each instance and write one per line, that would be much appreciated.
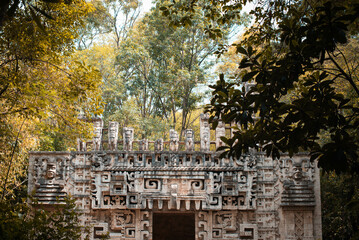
(224, 225)
(121, 184)
(50, 176)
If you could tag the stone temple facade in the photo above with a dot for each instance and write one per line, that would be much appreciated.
(141, 189)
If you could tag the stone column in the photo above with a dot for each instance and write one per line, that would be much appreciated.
(173, 140)
(97, 139)
(189, 140)
(127, 138)
(112, 135)
(205, 132)
(220, 132)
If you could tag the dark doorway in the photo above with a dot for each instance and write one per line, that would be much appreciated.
(173, 226)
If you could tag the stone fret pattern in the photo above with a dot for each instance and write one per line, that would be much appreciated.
(118, 191)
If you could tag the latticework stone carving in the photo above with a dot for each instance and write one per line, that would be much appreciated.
(119, 188)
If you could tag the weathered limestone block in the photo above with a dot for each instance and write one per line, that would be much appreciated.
(174, 141)
(189, 140)
(49, 177)
(99, 230)
(143, 145)
(124, 221)
(220, 132)
(97, 139)
(112, 135)
(159, 145)
(205, 134)
(298, 189)
(81, 145)
(127, 138)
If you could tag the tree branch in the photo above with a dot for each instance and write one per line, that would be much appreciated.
(347, 77)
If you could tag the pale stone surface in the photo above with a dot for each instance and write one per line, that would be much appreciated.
(127, 138)
(173, 140)
(97, 140)
(189, 139)
(118, 191)
(81, 145)
(112, 135)
(205, 133)
(159, 145)
(143, 145)
(220, 132)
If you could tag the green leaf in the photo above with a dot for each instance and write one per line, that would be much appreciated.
(249, 76)
(222, 94)
(241, 50)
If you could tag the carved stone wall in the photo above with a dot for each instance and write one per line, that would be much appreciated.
(118, 191)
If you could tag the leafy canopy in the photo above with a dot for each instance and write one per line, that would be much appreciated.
(292, 58)
(42, 88)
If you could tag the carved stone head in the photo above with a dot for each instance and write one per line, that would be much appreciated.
(113, 130)
(173, 135)
(143, 144)
(220, 127)
(97, 129)
(159, 145)
(189, 134)
(189, 140)
(128, 133)
(51, 171)
(127, 138)
(173, 140)
(204, 120)
(297, 170)
(220, 132)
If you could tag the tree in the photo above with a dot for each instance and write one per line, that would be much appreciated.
(112, 18)
(18, 221)
(288, 51)
(339, 196)
(41, 85)
(162, 66)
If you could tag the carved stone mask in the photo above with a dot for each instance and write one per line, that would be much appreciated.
(51, 171)
(189, 134)
(128, 134)
(112, 131)
(97, 130)
(297, 172)
(174, 136)
(205, 124)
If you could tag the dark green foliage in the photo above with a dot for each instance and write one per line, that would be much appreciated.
(18, 221)
(292, 56)
(308, 41)
(340, 198)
